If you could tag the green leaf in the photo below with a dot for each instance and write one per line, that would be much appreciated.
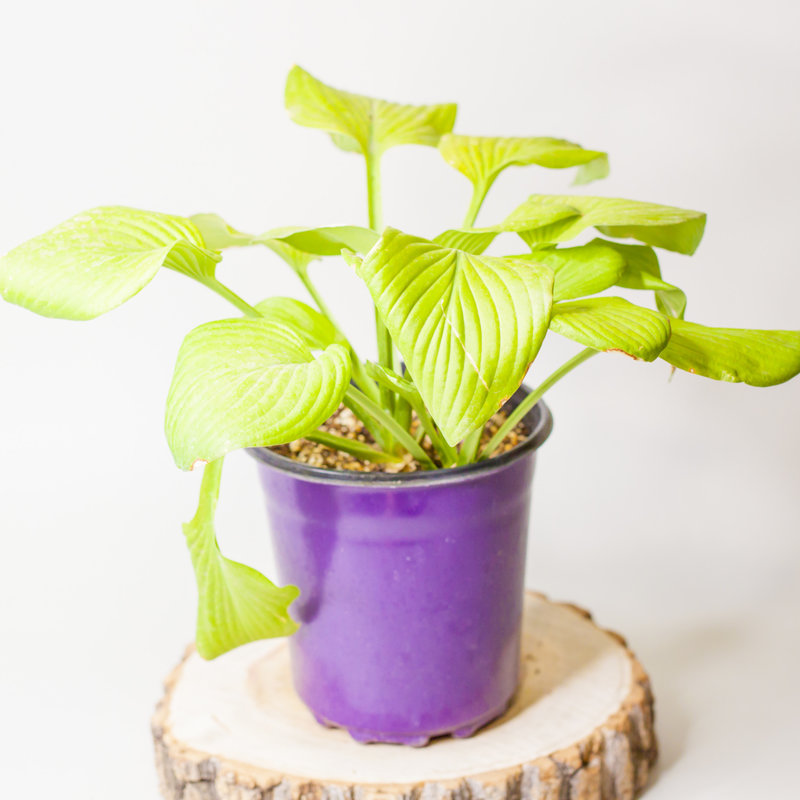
(363, 124)
(324, 241)
(483, 158)
(642, 271)
(236, 604)
(591, 171)
(588, 269)
(467, 326)
(757, 357)
(661, 226)
(612, 324)
(473, 241)
(249, 383)
(217, 234)
(316, 330)
(97, 260)
(295, 245)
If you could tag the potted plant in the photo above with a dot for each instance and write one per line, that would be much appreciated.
(398, 491)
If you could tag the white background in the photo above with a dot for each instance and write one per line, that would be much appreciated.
(668, 508)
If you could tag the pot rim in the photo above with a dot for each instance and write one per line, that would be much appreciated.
(539, 421)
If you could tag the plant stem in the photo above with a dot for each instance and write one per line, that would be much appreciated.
(365, 383)
(375, 216)
(530, 401)
(408, 392)
(478, 194)
(469, 447)
(355, 448)
(230, 296)
(389, 423)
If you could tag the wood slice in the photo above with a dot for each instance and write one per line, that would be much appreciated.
(580, 728)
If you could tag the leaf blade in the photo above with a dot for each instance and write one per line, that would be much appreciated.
(612, 324)
(360, 123)
(466, 326)
(755, 357)
(580, 271)
(249, 382)
(315, 329)
(482, 158)
(96, 260)
(236, 604)
(668, 227)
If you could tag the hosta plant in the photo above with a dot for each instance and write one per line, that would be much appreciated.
(457, 329)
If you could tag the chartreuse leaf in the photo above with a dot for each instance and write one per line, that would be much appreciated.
(473, 241)
(363, 124)
(297, 246)
(611, 323)
(661, 226)
(247, 383)
(476, 240)
(97, 260)
(579, 271)
(316, 330)
(236, 604)
(467, 326)
(217, 234)
(324, 241)
(760, 358)
(642, 271)
(483, 158)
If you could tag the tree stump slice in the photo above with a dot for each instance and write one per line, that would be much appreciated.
(579, 728)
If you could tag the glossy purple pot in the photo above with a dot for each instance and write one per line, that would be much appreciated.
(411, 589)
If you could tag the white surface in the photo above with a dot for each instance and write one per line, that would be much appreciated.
(669, 509)
(241, 707)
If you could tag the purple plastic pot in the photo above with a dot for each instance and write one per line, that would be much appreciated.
(411, 589)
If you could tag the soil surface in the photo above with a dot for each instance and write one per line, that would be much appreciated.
(345, 423)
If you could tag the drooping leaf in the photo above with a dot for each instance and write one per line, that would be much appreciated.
(661, 226)
(591, 171)
(97, 260)
(295, 245)
(217, 234)
(467, 326)
(324, 241)
(236, 604)
(476, 240)
(612, 324)
(248, 383)
(642, 271)
(483, 158)
(580, 271)
(363, 124)
(316, 330)
(757, 357)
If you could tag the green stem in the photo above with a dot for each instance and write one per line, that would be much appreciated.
(479, 191)
(390, 424)
(530, 401)
(407, 392)
(358, 449)
(447, 454)
(375, 216)
(469, 447)
(230, 296)
(361, 378)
